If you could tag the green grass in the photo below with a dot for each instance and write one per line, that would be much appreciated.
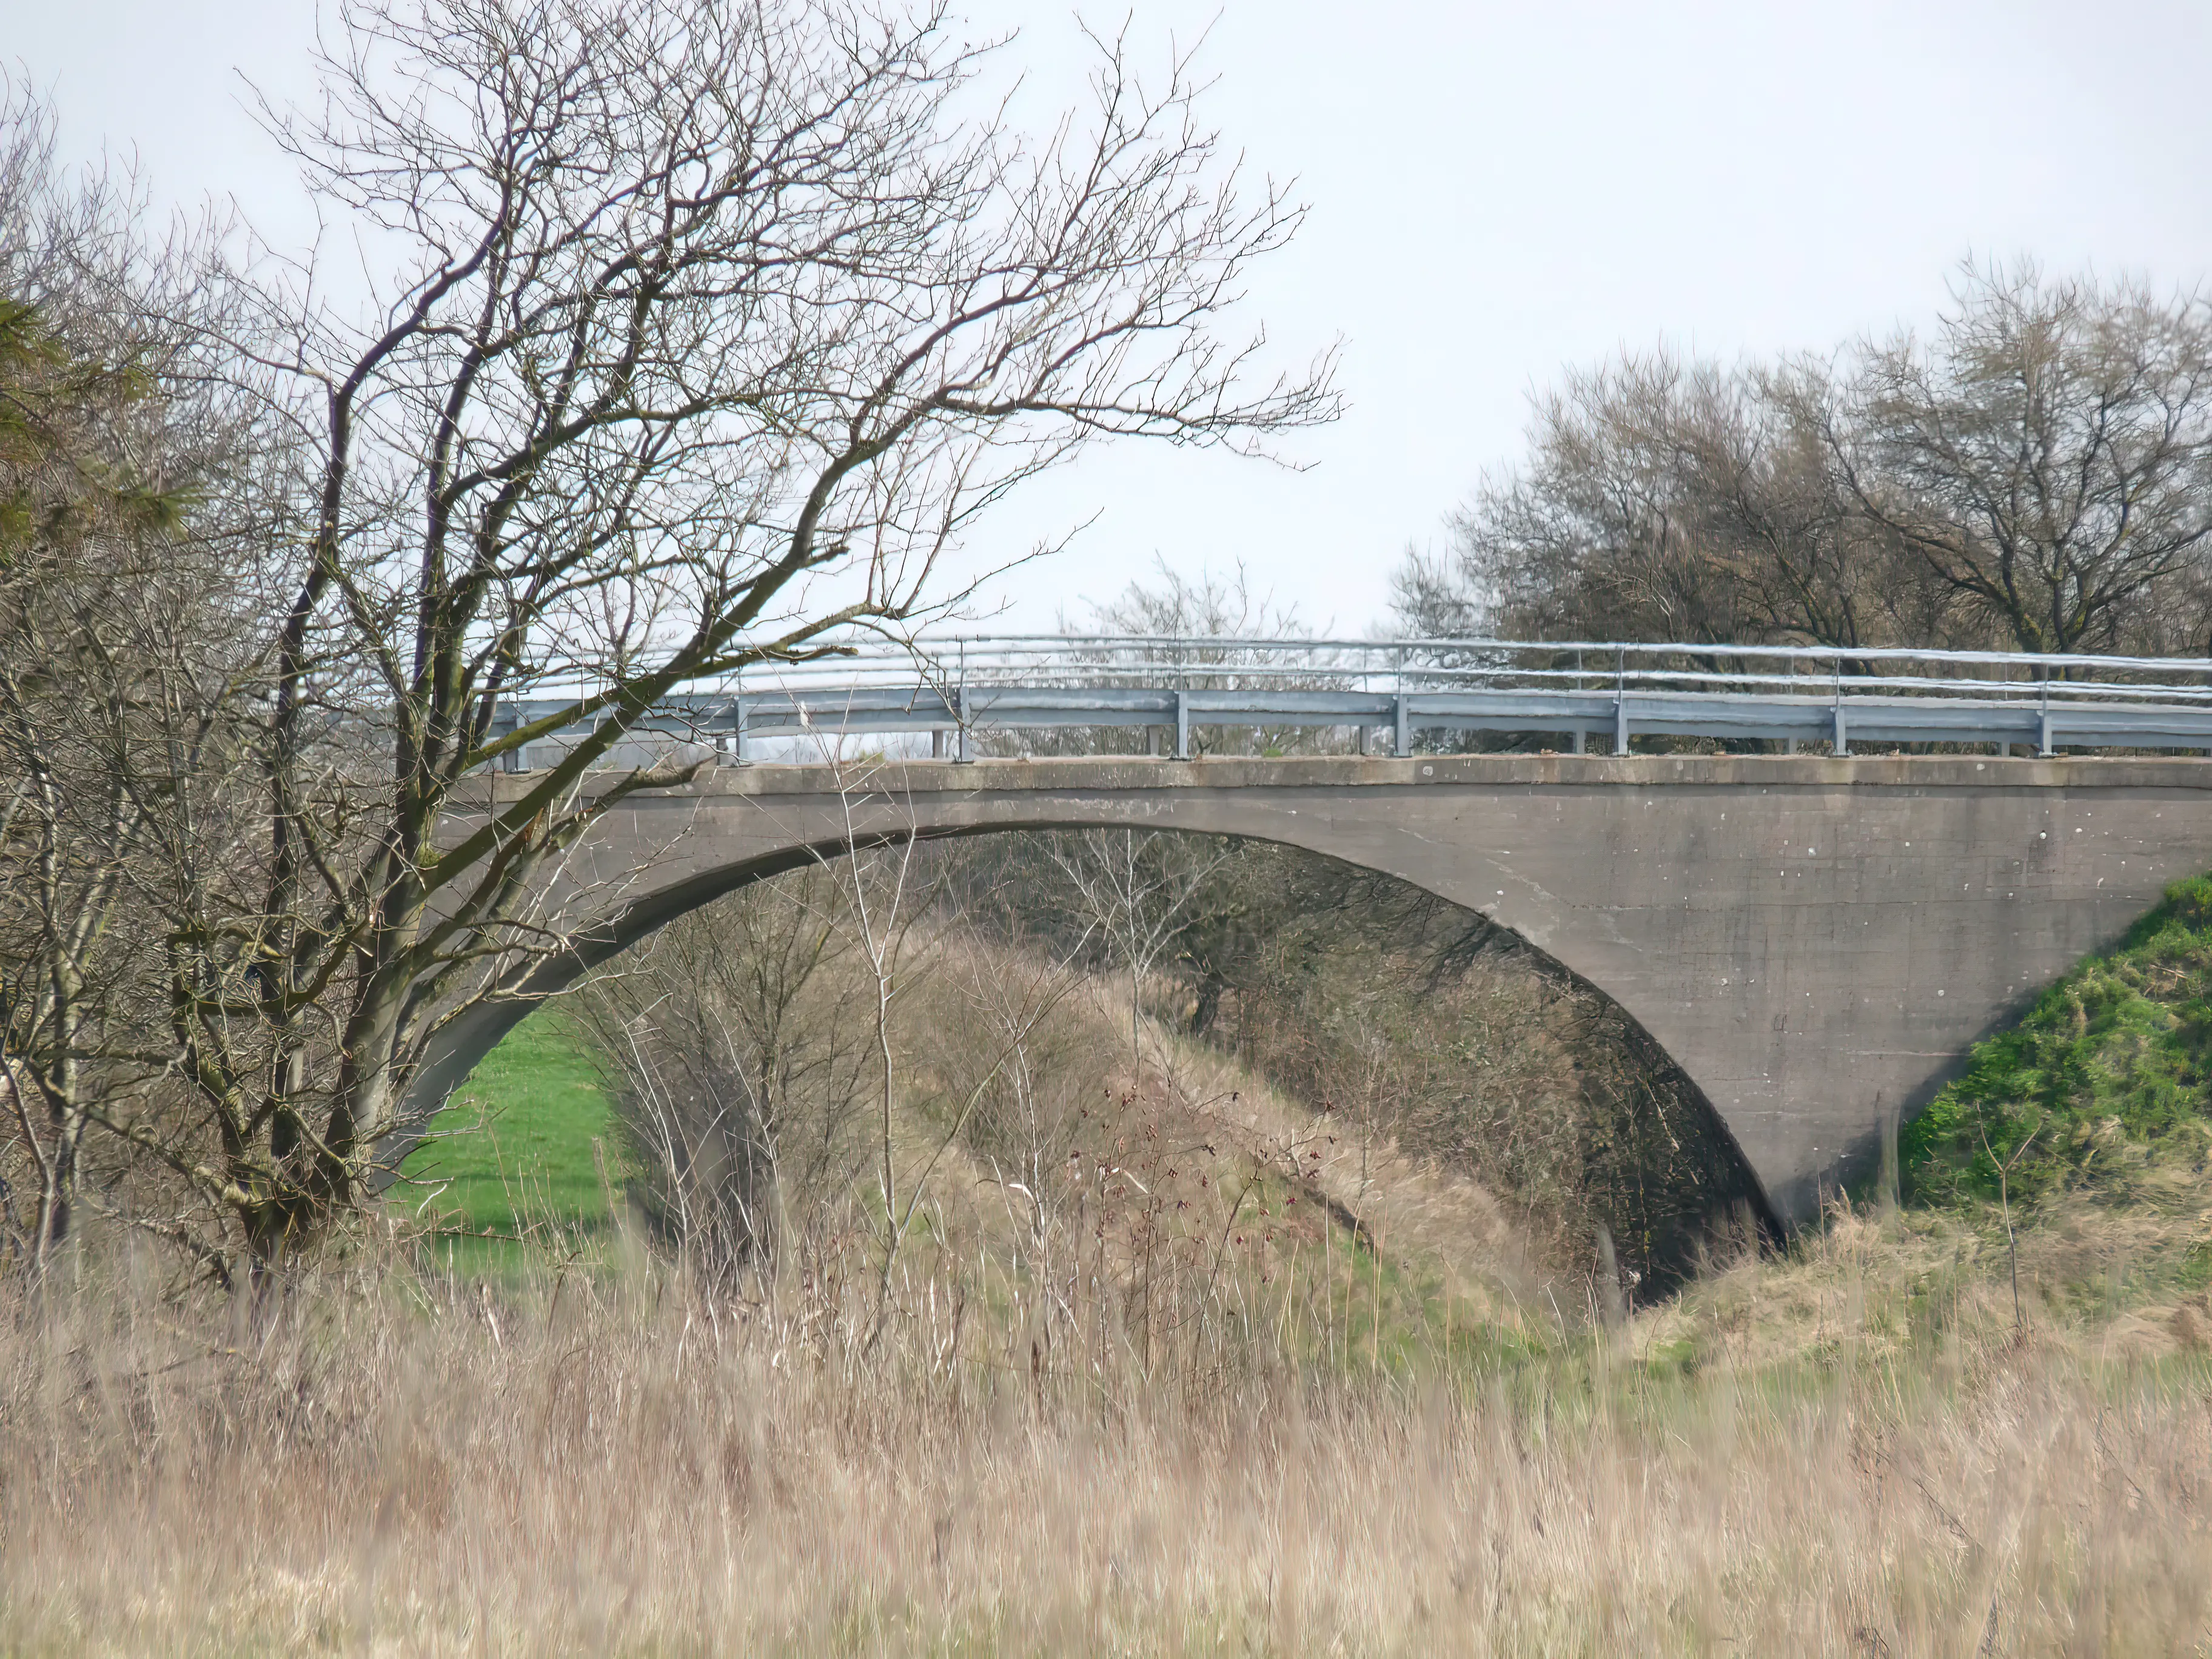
(2108, 1076)
(513, 1152)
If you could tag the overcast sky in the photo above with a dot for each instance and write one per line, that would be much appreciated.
(1496, 190)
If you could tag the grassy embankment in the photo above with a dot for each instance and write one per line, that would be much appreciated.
(2056, 1193)
(513, 1170)
(2097, 1106)
(2107, 1077)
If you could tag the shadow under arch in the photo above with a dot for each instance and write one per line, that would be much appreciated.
(468, 1038)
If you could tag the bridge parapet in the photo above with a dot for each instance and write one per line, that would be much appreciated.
(893, 776)
(958, 688)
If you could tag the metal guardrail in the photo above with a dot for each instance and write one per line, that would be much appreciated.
(956, 687)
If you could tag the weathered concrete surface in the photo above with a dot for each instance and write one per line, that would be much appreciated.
(1814, 941)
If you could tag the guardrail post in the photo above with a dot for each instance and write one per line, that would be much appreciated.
(1581, 741)
(1183, 725)
(505, 721)
(1402, 728)
(960, 713)
(2043, 750)
(1620, 701)
(738, 755)
(1839, 740)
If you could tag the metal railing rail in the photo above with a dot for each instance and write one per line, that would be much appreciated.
(957, 686)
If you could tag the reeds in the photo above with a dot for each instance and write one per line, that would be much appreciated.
(371, 1459)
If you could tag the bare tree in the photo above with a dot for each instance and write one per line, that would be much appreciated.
(2037, 474)
(1137, 891)
(1212, 605)
(699, 334)
(774, 1051)
(127, 576)
(879, 917)
(738, 1046)
(1215, 630)
(1671, 500)
(2048, 454)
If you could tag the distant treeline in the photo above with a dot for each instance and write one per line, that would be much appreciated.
(2033, 474)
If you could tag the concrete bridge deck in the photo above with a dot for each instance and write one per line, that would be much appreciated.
(1815, 940)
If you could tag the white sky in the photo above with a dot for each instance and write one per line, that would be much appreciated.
(1496, 190)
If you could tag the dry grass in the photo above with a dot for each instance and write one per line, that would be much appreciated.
(2107, 1283)
(382, 1463)
(1126, 1395)
(1437, 1226)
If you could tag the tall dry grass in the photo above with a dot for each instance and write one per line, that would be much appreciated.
(376, 1460)
(1168, 1362)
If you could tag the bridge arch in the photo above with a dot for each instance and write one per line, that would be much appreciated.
(1816, 943)
(644, 917)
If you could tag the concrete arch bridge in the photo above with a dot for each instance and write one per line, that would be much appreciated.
(1815, 941)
